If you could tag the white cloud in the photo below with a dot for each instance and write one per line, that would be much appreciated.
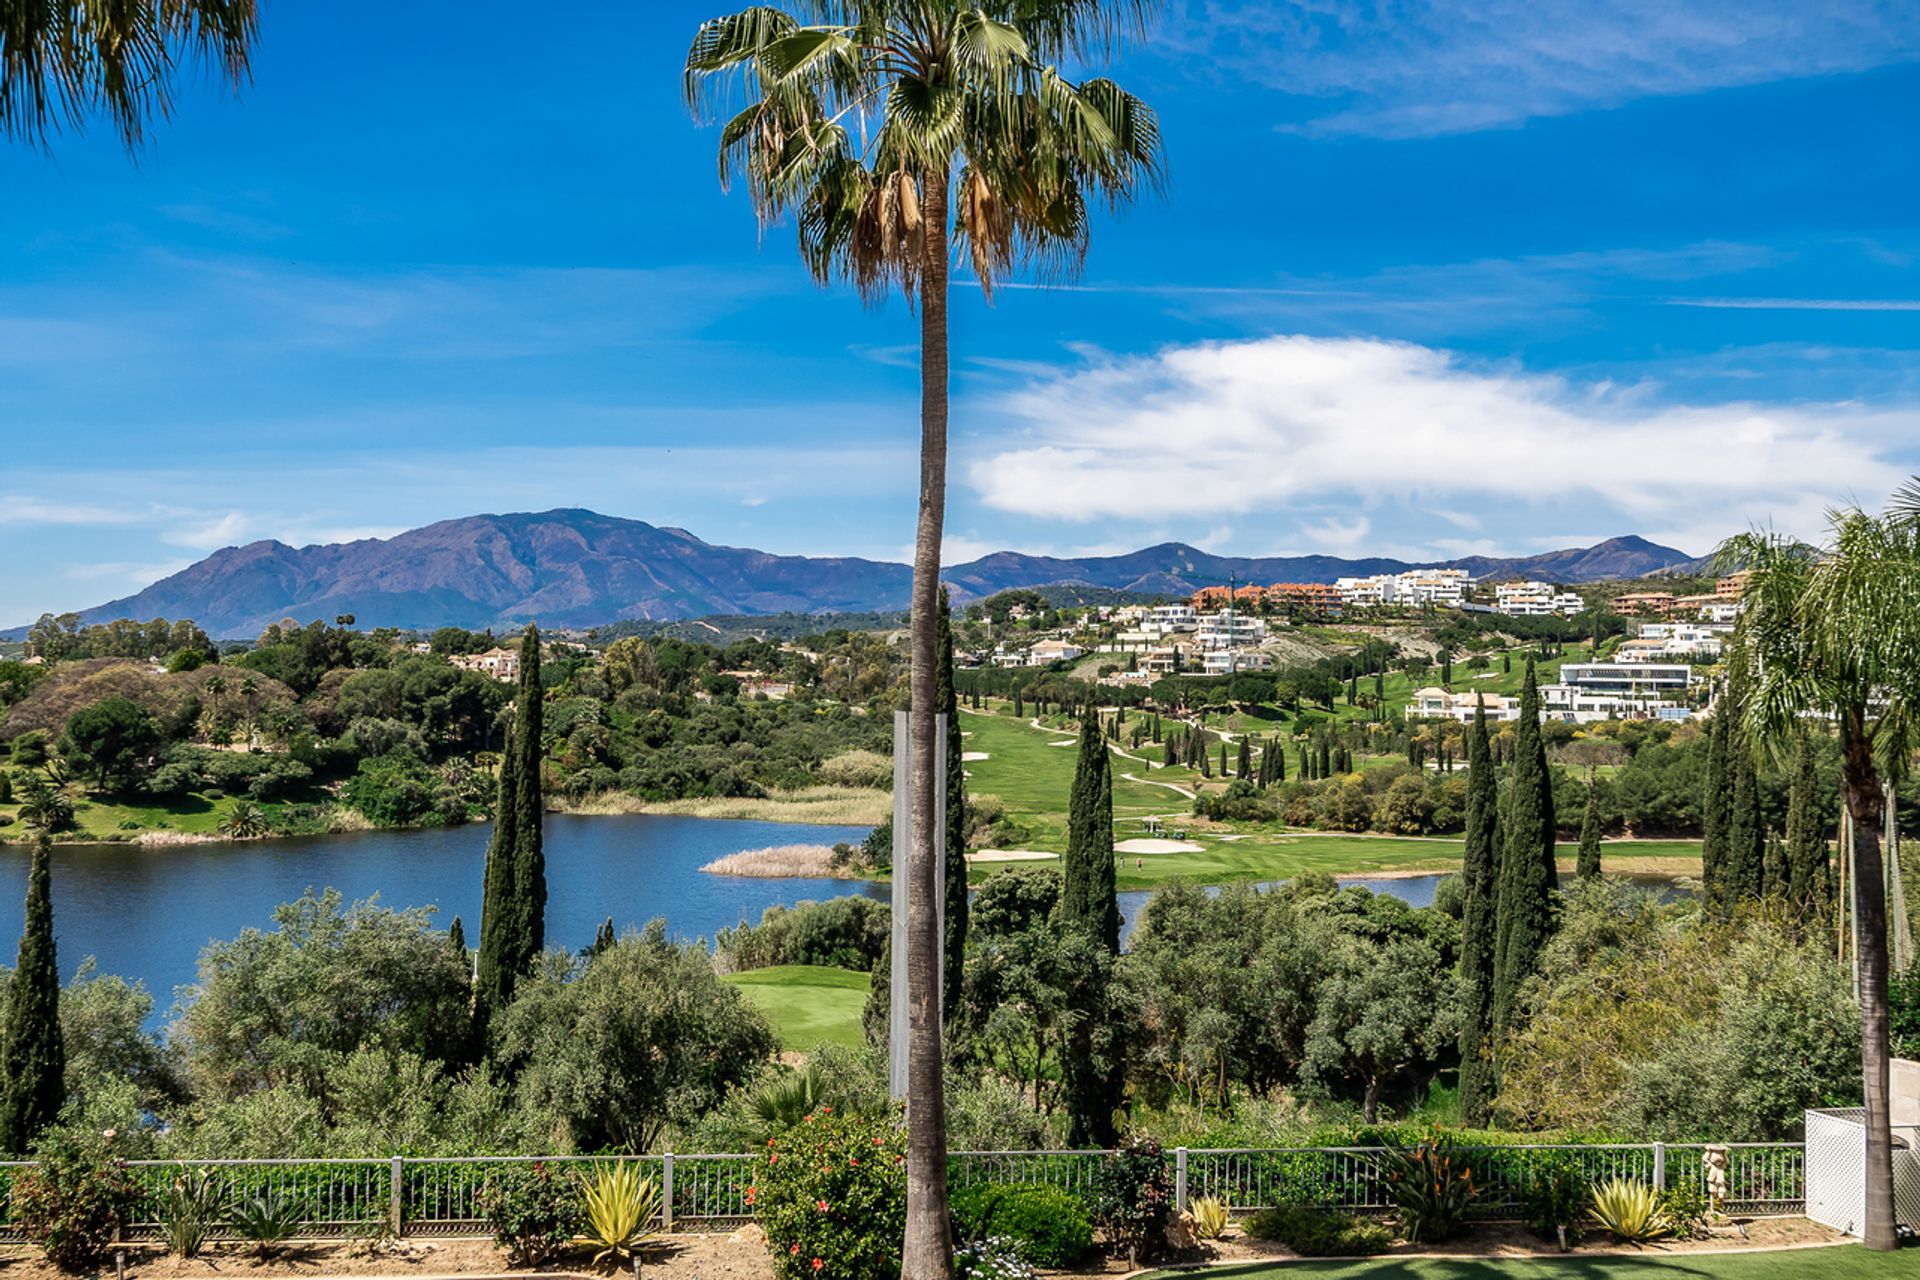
(1426, 67)
(1327, 429)
(22, 510)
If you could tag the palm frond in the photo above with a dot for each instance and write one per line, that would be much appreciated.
(62, 63)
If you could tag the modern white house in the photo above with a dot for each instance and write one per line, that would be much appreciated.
(1435, 703)
(1226, 661)
(1637, 690)
(1535, 600)
(1169, 618)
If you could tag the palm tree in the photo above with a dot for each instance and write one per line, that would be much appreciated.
(245, 821)
(896, 131)
(61, 64)
(1836, 634)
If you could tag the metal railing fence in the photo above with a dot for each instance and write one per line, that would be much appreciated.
(445, 1196)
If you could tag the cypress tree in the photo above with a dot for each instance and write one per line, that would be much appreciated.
(1087, 898)
(956, 861)
(1243, 767)
(1206, 758)
(1808, 884)
(1224, 772)
(1589, 866)
(1018, 709)
(1279, 763)
(1477, 925)
(1745, 870)
(1716, 806)
(1528, 875)
(1168, 753)
(33, 1059)
(457, 939)
(1774, 880)
(513, 908)
(1306, 766)
(6, 787)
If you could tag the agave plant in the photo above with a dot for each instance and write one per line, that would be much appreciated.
(1432, 1184)
(621, 1208)
(1209, 1218)
(1630, 1210)
(268, 1221)
(190, 1209)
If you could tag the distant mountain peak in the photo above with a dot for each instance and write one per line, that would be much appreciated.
(571, 567)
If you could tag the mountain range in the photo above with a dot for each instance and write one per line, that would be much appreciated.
(574, 568)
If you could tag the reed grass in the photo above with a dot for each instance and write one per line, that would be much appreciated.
(821, 806)
(777, 861)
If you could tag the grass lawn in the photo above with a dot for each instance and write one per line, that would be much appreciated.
(808, 1005)
(1033, 780)
(1849, 1262)
(97, 818)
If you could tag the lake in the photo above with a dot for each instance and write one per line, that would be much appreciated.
(146, 913)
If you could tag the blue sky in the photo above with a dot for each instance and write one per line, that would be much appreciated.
(1428, 278)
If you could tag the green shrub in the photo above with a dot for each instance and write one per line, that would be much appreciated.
(534, 1213)
(75, 1200)
(1687, 1210)
(1046, 1226)
(1313, 1234)
(832, 1197)
(1133, 1196)
(1432, 1184)
(1555, 1198)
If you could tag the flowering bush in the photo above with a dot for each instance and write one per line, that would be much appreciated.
(831, 1193)
(75, 1200)
(1432, 1184)
(991, 1259)
(1133, 1196)
(534, 1212)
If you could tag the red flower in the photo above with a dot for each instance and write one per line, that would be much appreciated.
(817, 1264)
(821, 1205)
(795, 1251)
(853, 1160)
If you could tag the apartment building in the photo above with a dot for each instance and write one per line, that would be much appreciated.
(1535, 600)
(1445, 587)
(1645, 604)
(1633, 690)
(1226, 662)
(1166, 619)
(1230, 631)
(1314, 597)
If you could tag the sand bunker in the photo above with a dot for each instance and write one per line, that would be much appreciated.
(976, 755)
(1011, 855)
(1147, 844)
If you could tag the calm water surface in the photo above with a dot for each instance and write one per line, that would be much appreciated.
(145, 913)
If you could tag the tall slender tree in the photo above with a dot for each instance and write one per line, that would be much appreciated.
(1716, 803)
(955, 872)
(1087, 896)
(513, 896)
(1243, 764)
(896, 132)
(33, 1059)
(1528, 874)
(1478, 923)
(1589, 865)
(1743, 877)
(1808, 867)
(1837, 635)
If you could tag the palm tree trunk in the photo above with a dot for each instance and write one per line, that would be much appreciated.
(1864, 801)
(928, 1250)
